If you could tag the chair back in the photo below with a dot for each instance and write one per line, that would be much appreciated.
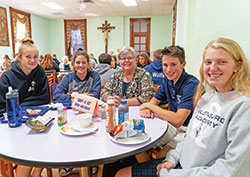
(51, 73)
(156, 87)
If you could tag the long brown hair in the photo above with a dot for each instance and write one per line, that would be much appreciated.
(47, 61)
(145, 56)
(240, 80)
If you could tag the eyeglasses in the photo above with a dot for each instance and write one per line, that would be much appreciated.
(128, 58)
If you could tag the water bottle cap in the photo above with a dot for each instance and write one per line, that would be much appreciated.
(10, 89)
(123, 101)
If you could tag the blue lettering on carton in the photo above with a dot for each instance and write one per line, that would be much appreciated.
(80, 100)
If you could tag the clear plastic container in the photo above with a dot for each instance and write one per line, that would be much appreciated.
(13, 108)
(123, 112)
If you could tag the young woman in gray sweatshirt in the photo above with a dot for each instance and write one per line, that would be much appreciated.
(218, 135)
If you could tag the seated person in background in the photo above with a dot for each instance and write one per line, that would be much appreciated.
(65, 65)
(91, 56)
(143, 60)
(131, 83)
(113, 63)
(103, 68)
(29, 78)
(41, 58)
(177, 89)
(6, 65)
(48, 64)
(218, 135)
(155, 68)
(55, 59)
(82, 80)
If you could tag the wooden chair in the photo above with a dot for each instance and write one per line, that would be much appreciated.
(7, 169)
(51, 73)
(51, 82)
(84, 171)
(156, 87)
(156, 154)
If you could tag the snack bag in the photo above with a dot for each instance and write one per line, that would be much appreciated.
(129, 128)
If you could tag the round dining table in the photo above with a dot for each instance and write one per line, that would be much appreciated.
(54, 149)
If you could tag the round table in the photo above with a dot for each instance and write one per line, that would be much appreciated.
(53, 149)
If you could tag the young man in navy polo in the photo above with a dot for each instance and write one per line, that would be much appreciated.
(177, 89)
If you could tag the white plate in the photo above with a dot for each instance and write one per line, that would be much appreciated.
(69, 129)
(133, 140)
(77, 127)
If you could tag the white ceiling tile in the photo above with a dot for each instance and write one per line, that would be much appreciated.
(101, 7)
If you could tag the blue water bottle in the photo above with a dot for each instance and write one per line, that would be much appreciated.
(13, 108)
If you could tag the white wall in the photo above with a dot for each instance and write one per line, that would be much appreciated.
(206, 20)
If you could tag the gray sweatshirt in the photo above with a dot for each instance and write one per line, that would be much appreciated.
(217, 138)
(105, 72)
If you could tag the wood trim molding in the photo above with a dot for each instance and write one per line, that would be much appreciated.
(75, 24)
(148, 20)
(174, 23)
(13, 17)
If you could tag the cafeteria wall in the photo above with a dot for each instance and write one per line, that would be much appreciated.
(48, 35)
(117, 38)
(200, 21)
(40, 31)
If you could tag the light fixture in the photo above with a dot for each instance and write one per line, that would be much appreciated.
(82, 7)
(52, 5)
(129, 2)
(91, 14)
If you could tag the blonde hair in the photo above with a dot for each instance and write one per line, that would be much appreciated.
(26, 43)
(240, 80)
(47, 61)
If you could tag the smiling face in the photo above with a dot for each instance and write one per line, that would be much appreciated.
(142, 60)
(172, 67)
(218, 68)
(112, 62)
(128, 62)
(81, 65)
(29, 59)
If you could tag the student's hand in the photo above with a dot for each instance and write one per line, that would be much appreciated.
(167, 165)
(117, 100)
(146, 113)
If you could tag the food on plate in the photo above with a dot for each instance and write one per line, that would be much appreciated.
(129, 128)
(33, 111)
(65, 129)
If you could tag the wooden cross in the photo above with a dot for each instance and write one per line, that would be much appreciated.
(106, 28)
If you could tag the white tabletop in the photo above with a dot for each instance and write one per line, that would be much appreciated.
(53, 149)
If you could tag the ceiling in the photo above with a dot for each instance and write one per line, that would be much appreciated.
(103, 8)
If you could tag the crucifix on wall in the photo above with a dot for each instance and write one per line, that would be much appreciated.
(106, 28)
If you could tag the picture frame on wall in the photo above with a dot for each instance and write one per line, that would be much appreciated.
(4, 33)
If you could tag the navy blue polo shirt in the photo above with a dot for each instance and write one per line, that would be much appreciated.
(180, 95)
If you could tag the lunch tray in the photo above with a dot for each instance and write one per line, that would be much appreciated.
(66, 104)
(26, 115)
